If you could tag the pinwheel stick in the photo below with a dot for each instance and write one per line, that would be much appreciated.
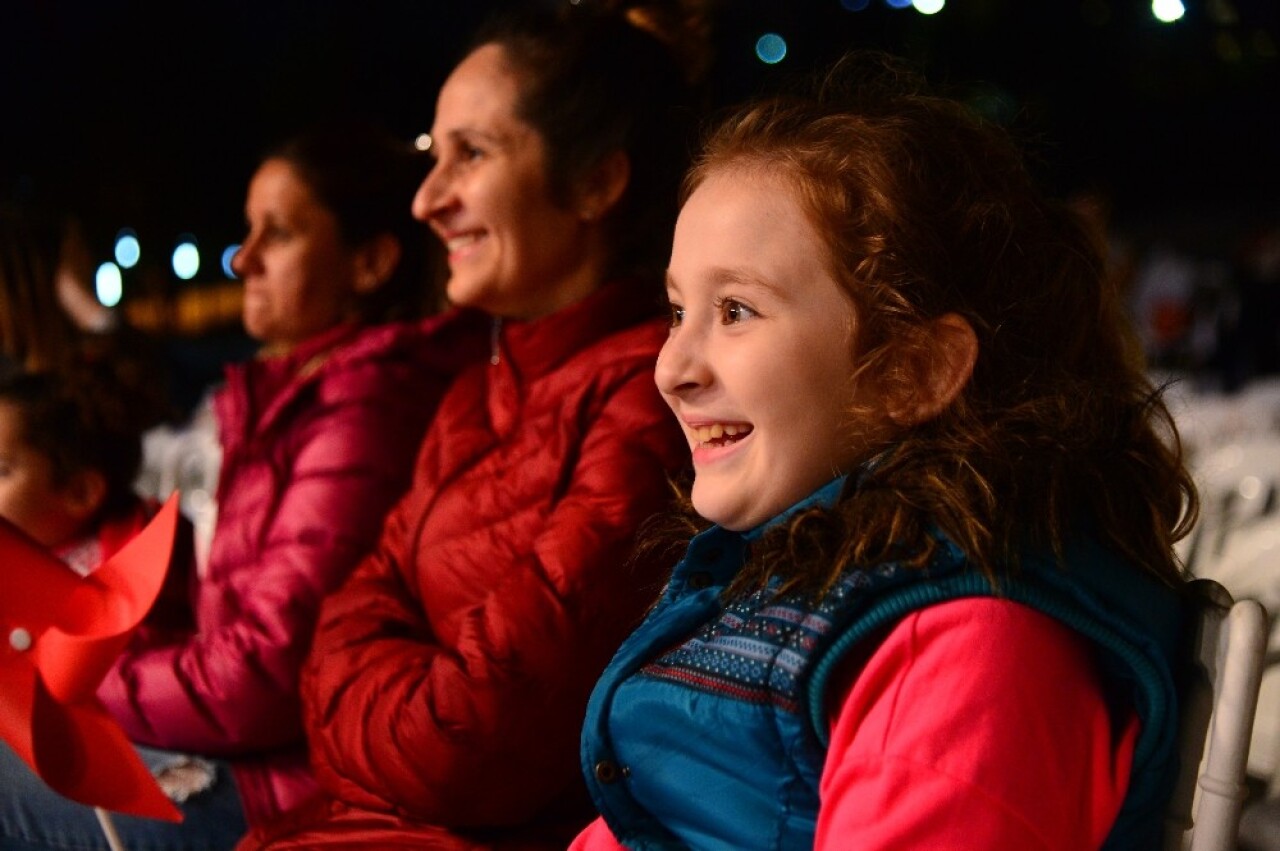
(108, 829)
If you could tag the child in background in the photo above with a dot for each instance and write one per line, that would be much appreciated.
(70, 447)
(939, 607)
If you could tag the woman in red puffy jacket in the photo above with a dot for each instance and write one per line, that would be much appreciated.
(444, 694)
(318, 435)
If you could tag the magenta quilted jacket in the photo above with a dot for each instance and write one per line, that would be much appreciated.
(317, 446)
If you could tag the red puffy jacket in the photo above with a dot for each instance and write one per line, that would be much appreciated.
(317, 446)
(445, 692)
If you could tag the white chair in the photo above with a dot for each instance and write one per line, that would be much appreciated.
(187, 459)
(1239, 486)
(1217, 718)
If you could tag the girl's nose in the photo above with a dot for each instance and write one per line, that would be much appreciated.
(682, 365)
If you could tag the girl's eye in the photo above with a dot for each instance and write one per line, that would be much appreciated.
(676, 315)
(733, 311)
(471, 152)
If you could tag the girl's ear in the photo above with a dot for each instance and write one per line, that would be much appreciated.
(375, 261)
(942, 371)
(602, 188)
(84, 494)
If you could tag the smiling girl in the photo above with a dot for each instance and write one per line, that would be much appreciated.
(940, 565)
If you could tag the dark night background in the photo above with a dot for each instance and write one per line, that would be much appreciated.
(152, 115)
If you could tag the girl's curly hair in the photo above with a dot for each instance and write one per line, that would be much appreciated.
(928, 210)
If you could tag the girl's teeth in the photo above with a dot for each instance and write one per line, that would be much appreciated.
(706, 434)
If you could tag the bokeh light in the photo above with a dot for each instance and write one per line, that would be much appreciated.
(186, 259)
(423, 142)
(128, 251)
(898, 4)
(771, 48)
(228, 254)
(1168, 11)
(928, 7)
(855, 5)
(108, 284)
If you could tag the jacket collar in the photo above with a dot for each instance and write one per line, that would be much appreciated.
(539, 346)
(824, 497)
(523, 352)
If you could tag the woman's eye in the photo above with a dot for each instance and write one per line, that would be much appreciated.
(676, 314)
(733, 311)
(471, 152)
(271, 232)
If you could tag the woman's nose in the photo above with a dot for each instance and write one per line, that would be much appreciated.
(431, 196)
(243, 258)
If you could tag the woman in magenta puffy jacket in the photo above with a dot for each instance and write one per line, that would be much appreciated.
(318, 436)
(444, 695)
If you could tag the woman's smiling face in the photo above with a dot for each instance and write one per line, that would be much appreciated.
(513, 251)
(758, 367)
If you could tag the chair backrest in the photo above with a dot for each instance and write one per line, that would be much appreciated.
(1219, 700)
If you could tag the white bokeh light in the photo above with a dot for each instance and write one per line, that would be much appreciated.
(108, 284)
(186, 259)
(1168, 11)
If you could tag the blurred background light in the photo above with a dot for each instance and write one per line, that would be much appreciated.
(1168, 11)
(186, 259)
(108, 285)
(928, 7)
(228, 254)
(423, 142)
(771, 48)
(128, 252)
(855, 5)
(898, 4)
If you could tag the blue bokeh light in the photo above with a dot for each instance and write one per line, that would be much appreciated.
(127, 251)
(771, 48)
(228, 254)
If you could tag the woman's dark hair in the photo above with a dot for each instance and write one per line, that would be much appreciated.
(81, 417)
(367, 178)
(596, 78)
(927, 210)
(35, 332)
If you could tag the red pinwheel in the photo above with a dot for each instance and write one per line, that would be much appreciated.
(59, 634)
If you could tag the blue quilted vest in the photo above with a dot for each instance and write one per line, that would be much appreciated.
(708, 729)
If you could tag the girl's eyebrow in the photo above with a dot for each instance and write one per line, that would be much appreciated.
(738, 276)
